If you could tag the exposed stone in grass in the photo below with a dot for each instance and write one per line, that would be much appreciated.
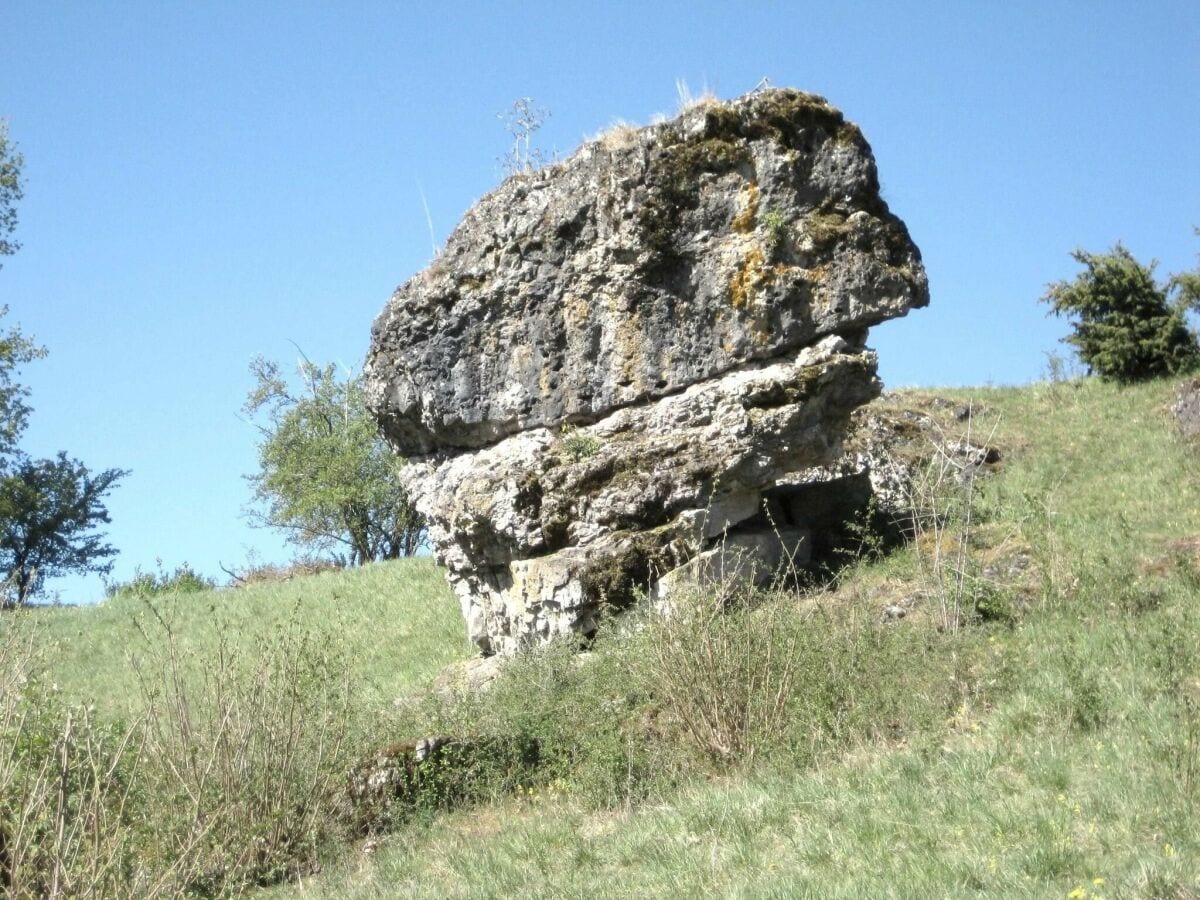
(437, 772)
(1187, 408)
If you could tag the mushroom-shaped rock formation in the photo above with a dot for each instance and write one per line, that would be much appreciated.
(617, 363)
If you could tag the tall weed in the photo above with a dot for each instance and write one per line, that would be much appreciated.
(232, 774)
(941, 498)
(789, 681)
(248, 746)
(66, 819)
(726, 672)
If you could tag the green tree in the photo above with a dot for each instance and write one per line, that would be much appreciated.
(325, 476)
(49, 508)
(1186, 286)
(1126, 327)
(15, 348)
(49, 512)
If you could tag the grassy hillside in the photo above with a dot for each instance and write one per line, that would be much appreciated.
(198, 743)
(1066, 763)
(398, 623)
(1048, 747)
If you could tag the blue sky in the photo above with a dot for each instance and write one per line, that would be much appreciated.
(210, 181)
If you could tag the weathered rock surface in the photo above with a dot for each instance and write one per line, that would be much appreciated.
(1186, 408)
(617, 360)
(898, 452)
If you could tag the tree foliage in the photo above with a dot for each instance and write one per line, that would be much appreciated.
(1126, 327)
(15, 348)
(11, 163)
(49, 508)
(325, 476)
(1186, 286)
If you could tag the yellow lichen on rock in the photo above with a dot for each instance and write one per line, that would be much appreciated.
(744, 221)
(747, 278)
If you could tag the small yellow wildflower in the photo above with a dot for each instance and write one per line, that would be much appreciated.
(1078, 894)
(1168, 850)
(1097, 881)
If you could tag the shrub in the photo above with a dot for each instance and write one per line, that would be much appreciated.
(232, 775)
(772, 679)
(272, 573)
(184, 580)
(66, 827)
(435, 773)
(251, 746)
(1126, 328)
(727, 673)
(717, 685)
(590, 717)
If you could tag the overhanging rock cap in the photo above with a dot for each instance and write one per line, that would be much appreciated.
(650, 260)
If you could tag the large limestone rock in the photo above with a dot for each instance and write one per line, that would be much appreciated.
(617, 360)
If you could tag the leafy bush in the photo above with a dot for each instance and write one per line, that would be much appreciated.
(184, 580)
(993, 604)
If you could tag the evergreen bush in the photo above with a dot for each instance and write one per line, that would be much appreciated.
(1127, 330)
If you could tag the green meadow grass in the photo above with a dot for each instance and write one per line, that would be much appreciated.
(200, 743)
(398, 623)
(1069, 768)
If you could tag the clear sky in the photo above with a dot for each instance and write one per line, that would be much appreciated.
(210, 181)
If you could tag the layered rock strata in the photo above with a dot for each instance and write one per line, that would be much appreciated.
(616, 360)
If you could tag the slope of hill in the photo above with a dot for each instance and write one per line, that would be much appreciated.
(1063, 761)
(794, 746)
(397, 622)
